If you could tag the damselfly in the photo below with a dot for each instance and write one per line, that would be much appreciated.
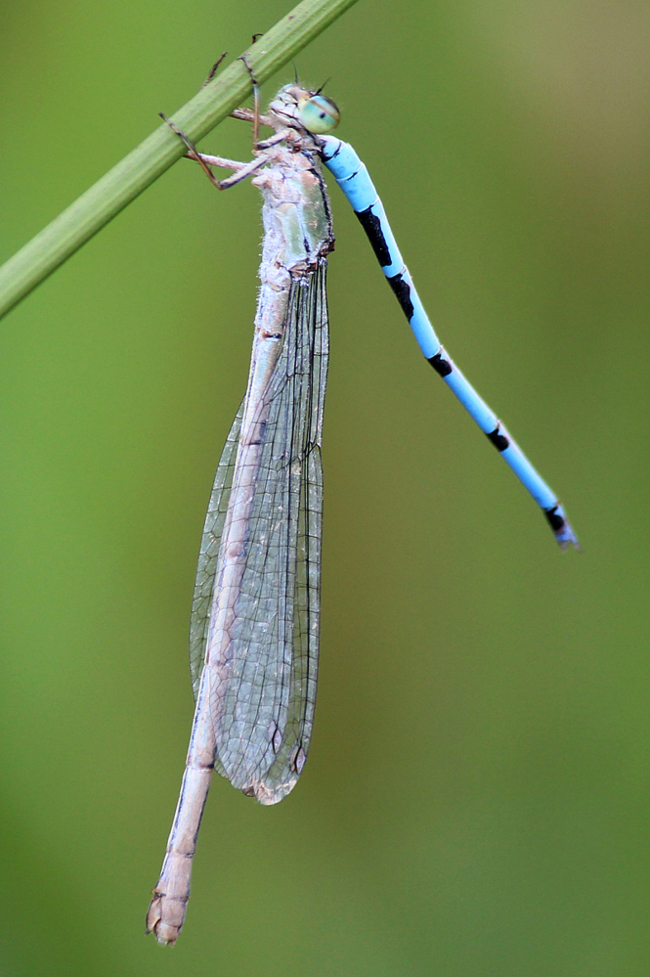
(255, 612)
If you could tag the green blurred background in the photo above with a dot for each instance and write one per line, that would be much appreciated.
(476, 799)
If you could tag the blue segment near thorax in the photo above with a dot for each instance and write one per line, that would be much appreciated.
(352, 176)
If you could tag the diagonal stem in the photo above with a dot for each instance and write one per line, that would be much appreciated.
(125, 181)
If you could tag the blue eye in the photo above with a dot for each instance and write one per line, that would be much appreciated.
(318, 114)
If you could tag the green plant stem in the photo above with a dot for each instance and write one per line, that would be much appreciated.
(106, 198)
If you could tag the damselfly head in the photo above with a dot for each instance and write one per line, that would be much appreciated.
(296, 106)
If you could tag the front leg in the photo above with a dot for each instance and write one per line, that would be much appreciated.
(242, 170)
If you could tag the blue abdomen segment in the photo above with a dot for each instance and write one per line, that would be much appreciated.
(352, 176)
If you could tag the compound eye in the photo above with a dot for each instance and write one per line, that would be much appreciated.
(318, 114)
